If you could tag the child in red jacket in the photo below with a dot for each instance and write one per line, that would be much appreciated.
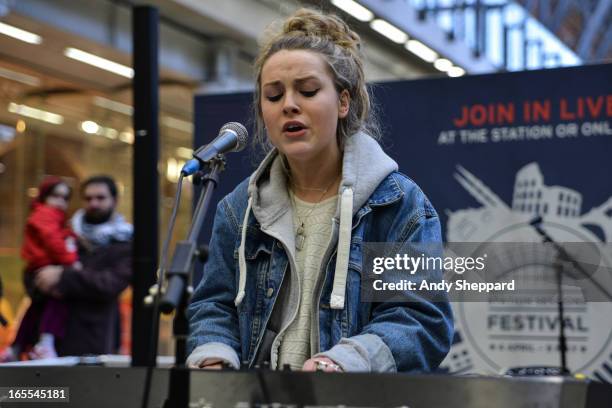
(47, 241)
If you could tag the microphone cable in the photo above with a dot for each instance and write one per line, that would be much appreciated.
(161, 275)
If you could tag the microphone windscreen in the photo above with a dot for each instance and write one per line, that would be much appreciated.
(241, 132)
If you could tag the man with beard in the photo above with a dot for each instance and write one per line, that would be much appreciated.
(91, 291)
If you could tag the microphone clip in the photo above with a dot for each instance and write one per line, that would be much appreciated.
(202, 175)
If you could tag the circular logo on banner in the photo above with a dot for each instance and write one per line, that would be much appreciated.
(502, 333)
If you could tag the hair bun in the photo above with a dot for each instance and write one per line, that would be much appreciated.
(311, 23)
(339, 47)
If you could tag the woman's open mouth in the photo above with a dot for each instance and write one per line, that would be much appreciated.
(294, 129)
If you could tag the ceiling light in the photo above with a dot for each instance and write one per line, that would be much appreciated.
(20, 126)
(173, 169)
(456, 72)
(89, 126)
(177, 124)
(20, 34)
(113, 105)
(127, 136)
(19, 77)
(442, 64)
(110, 133)
(34, 113)
(99, 62)
(390, 31)
(421, 50)
(354, 9)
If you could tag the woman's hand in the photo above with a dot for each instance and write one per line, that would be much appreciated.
(209, 364)
(321, 364)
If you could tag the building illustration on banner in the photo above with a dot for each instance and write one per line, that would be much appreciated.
(493, 336)
(533, 197)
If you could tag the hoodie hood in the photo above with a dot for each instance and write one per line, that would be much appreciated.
(364, 166)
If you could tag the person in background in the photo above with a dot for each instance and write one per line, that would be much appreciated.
(91, 292)
(46, 241)
(284, 273)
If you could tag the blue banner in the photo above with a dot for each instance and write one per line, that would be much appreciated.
(493, 152)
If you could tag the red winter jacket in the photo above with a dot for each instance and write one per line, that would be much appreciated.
(47, 241)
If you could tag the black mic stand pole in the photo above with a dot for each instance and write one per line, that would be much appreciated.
(563, 256)
(558, 265)
(178, 291)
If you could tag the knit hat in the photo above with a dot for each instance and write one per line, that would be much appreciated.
(46, 188)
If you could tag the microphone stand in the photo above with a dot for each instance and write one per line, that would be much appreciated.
(178, 291)
(563, 256)
(558, 265)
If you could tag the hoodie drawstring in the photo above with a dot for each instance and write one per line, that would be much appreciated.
(344, 247)
(342, 258)
(242, 256)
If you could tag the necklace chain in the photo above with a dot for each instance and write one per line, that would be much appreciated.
(309, 188)
(300, 234)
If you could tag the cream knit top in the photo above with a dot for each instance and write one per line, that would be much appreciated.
(295, 344)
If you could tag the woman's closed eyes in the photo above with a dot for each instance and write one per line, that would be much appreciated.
(308, 94)
(274, 98)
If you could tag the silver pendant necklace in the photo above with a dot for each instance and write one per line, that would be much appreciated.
(300, 233)
(300, 237)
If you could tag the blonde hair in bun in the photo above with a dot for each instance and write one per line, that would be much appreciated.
(328, 35)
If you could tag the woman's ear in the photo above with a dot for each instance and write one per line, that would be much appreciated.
(344, 102)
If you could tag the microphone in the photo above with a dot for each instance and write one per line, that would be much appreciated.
(232, 138)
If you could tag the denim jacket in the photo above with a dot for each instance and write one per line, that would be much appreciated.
(251, 271)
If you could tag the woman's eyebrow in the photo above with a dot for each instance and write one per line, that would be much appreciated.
(305, 79)
(271, 83)
(296, 81)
